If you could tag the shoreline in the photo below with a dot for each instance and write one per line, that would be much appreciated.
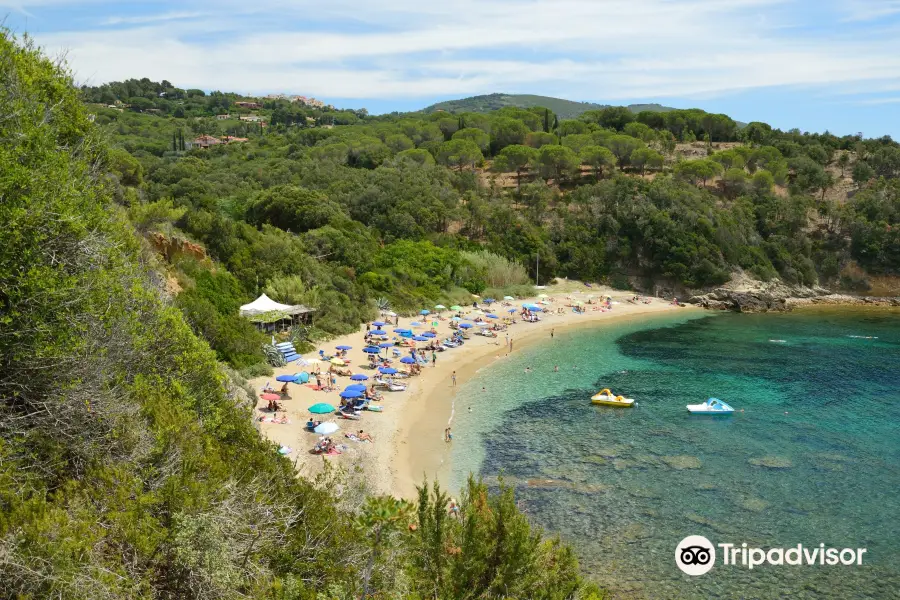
(408, 435)
(426, 454)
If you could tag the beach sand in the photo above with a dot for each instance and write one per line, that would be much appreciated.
(409, 434)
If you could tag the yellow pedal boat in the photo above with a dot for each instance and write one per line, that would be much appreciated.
(607, 398)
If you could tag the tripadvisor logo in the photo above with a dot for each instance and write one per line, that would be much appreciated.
(696, 555)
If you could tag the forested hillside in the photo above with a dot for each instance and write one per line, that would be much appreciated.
(565, 109)
(409, 210)
(129, 466)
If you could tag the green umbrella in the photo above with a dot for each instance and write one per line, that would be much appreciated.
(456, 307)
(321, 408)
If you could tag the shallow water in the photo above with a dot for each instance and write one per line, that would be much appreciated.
(813, 457)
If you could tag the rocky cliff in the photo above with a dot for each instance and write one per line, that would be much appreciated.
(743, 294)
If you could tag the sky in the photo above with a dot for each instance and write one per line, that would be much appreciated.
(811, 64)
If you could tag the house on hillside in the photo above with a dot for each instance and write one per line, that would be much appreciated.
(223, 117)
(251, 118)
(205, 141)
(249, 105)
(230, 138)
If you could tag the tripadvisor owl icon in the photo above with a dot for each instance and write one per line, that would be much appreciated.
(695, 555)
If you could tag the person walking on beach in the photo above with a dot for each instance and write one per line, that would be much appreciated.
(448, 435)
(551, 333)
(453, 377)
(510, 344)
(433, 358)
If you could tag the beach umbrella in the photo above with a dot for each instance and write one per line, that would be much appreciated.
(388, 370)
(391, 313)
(359, 377)
(489, 300)
(386, 345)
(456, 307)
(356, 387)
(491, 316)
(326, 428)
(420, 338)
(415, 324)
(542, 295)
(343, 347)
(465, 325)
(372, 350)
(350, 394)
(428, 334)
(440, 307)
(424, 312)
(321, 408)
(401, 331)
(508, 298)
(379, 323)
(270, 397)
(408, 360)
(378, 332)
(337, 362)
(288, 378)
(512, 310)
(543, 302)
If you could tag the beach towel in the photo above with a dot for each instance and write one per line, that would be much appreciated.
(284, 450)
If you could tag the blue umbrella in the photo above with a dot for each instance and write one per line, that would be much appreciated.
(321, 408)
(428, 334)
(424, 312)
(408, 360)
(512, 310)
(456, 318)
(388, 370)
(386, 345)
(288, 378)
(491, 316)
(372, 350)
(379, 323)
(356, 387)
(415, 324)
(402, 331)
(420, 338)
(535, 309)
(489, 300)
(344, 347)
(359, 377)
(378, 332)
(350, 394)
(465, 325)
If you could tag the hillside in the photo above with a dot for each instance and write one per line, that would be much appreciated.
(565, 109)
(130, 467)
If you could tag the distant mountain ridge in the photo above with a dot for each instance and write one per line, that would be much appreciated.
(566, 109)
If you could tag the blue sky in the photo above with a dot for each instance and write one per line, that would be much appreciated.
(810, 64)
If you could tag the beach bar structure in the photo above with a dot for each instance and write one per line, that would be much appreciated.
(271, 316)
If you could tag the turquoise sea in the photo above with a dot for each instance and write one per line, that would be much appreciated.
(813, 458)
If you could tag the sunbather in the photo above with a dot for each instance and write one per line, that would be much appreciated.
(364, 437)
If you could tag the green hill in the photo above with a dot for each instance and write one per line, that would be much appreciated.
(566, 109)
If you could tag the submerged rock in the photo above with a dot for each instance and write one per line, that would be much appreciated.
(752, 503)
(683, 461)
(772, 462)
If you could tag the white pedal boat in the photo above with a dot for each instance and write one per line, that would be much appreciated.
(713, 406)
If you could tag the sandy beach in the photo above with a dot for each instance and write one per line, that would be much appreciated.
(409, 434)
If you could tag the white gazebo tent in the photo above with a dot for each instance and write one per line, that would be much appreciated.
(267, 313)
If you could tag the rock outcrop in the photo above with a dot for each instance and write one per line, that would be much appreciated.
(743, 294)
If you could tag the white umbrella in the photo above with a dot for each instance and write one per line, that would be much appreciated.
(326, 428)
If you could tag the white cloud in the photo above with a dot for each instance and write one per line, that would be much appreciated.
(868, 10)
(143, 19)
(587, 49)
